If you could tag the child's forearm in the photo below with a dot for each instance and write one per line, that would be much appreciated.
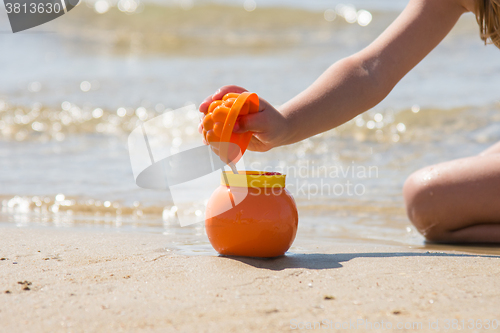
(359, 82)
(345, 90)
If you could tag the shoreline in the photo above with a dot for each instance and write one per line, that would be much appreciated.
(88, 281)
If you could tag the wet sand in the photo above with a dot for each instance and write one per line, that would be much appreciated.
(89, 281)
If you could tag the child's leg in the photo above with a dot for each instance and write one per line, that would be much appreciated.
(457, 201)
(495, 149)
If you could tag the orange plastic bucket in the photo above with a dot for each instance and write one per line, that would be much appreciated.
(263, 224)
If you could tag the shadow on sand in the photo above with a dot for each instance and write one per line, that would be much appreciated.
(329, 261)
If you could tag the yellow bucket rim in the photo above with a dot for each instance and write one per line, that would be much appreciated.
(257, 179)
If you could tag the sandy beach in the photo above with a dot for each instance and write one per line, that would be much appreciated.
(90, 281)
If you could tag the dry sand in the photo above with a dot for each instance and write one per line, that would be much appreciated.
(79, 281)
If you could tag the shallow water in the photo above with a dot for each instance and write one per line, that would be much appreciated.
(72, 90)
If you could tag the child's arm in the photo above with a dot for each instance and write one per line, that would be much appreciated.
(357, 83)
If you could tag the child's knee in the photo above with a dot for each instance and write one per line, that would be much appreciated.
(422, 207)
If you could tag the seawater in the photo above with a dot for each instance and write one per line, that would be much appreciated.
(72, 90)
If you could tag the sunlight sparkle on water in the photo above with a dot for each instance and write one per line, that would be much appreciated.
(101, 6)
(35, 86)
(364, 17)
(37, 126)
(85, 86)
(350, 14)
(141, 113)
(360, 122)
(250, 5)
(97, 113)
(121, 112)
(127, 6)
(66, 105)
(330, 15)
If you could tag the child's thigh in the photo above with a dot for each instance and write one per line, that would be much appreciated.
(455, 194)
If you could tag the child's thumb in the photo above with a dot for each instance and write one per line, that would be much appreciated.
(250, 123)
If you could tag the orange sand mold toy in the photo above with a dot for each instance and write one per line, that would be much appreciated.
(263, 224)
(219, 122)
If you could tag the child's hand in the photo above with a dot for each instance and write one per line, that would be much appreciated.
(269, 127)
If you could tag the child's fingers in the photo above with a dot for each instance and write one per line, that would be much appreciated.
(255, 122)
(263, 104)
(218, 95)
(227, 89)
(205, 104)
(204, 107)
